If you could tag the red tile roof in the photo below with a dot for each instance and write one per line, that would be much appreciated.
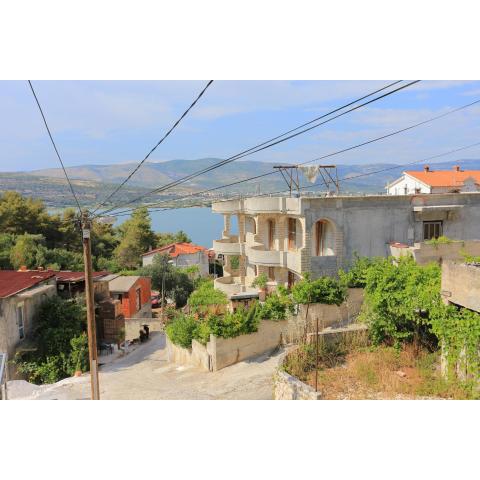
(445, 178)
(69, 276)
(12, 282)
(175, 249)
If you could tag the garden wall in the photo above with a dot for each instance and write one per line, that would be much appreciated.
(222, 352)
(227, 351)
(288, 387)
(328, 315)
(133, 325)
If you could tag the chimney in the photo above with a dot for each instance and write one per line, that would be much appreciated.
(426, 168)
(23, 268)
(456, 168)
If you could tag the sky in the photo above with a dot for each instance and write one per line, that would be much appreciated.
(107, 122)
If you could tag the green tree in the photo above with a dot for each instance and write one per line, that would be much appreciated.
(136, 237)
(7, 242)
(178, 284)
(29, 250)
(61, 341)
(166, 238)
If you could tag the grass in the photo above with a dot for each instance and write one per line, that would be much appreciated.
(365, 372)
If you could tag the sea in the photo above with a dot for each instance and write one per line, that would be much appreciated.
(199, 223)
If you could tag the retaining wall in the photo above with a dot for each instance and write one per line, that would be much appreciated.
(288, 387)
(222, 352)
(328, 315)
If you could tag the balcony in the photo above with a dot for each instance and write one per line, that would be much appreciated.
(255, 205)
(232, 286)
(257, 254)
(227, 246)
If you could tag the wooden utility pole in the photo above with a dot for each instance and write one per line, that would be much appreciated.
(91, 326)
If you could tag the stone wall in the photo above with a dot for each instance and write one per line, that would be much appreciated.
(133, 325)
(197, 356)
(222, 352)
(425, 253)
(328, 315)
(461, 285)
(227, 351)
(287, 387)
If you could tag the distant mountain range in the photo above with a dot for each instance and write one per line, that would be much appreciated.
(92, 182)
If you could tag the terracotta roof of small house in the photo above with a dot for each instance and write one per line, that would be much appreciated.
(122, 283)
(175, 249)
(445, 178)
(69, 276)
(13, 281)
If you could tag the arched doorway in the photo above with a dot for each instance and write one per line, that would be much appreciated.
(323, 238)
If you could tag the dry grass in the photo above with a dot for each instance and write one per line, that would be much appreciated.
(386, 373)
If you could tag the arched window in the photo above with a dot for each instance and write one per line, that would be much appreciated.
(250, 225)
(323, 238)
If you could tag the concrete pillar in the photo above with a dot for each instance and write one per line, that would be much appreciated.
(227, 221)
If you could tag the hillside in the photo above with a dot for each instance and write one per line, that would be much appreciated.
(93, 181)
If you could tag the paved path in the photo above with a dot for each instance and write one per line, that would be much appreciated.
(145, 374)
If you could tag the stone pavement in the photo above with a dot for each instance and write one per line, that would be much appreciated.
(145, 374)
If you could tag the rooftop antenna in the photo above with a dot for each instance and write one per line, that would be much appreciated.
(328, 173)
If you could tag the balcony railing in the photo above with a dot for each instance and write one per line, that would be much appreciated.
(227, 246)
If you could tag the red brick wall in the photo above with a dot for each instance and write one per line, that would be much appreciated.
(129, 307)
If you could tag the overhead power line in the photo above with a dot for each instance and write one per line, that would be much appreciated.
(55, 146)
(255, 149)
(318, 184)
(337, 152)
(135, 170)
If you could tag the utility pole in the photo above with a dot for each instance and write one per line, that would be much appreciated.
(91, 326)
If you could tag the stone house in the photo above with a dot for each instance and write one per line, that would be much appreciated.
(182, 254)
(21, 294)
(134, 293)
(284, 237)
(435, 181)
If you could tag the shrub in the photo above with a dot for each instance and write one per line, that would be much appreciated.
(202, 332)
(233, 324)
(205, 296)
(442, 240)
(323, 290)
(356, 275)
(459, 332)
(275, 307)
(181, 330)
(260, 281)
(399, 299)
(62, 345)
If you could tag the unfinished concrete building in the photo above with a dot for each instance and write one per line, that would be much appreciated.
(285, 237)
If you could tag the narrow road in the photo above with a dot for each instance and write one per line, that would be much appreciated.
(145, 374)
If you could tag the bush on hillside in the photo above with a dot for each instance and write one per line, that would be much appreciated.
(322, 290)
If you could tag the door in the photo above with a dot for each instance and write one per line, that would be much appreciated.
(292, 233)
(271, 234)
(290, 279)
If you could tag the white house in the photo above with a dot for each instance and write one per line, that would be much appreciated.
(435, 181)
(182, 255)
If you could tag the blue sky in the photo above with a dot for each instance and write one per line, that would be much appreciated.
(104, 122)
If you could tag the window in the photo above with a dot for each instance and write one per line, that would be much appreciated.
(255, 270)
(292, 233)
(138, 298)
(271, 234)
(320, 239)
(271, 273)
(432, 229)
(20, 321)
